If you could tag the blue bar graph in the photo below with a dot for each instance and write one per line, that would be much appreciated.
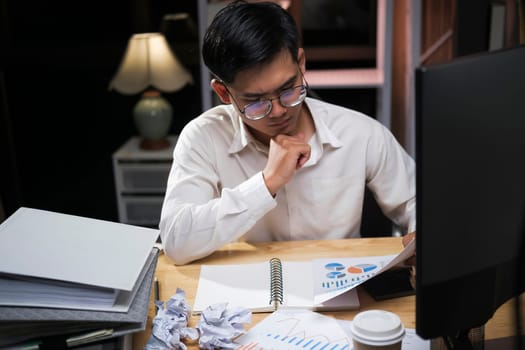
(308, 344)
(296, 330)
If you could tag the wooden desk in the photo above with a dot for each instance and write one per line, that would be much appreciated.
(186, 277)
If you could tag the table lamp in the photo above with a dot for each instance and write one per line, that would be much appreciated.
(149, 66)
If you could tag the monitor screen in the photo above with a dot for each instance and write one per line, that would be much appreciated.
(470, 159)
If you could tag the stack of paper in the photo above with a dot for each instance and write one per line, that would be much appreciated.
(62, 272)
(21, 290)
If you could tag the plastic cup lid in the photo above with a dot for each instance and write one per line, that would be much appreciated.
(377, 327)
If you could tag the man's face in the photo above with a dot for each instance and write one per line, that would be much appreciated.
(264, 82)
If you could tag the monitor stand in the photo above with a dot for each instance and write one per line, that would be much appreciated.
(461, 341)
(471, 339)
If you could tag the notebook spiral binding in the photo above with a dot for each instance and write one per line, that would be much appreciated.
(276, 282)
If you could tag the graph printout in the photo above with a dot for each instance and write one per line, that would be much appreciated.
(308, 330)
(299, 329)
(335, 276)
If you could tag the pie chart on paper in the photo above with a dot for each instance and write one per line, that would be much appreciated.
(361, 268)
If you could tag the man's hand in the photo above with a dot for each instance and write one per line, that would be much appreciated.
(412, 260)
(286, 155)
(407, 239)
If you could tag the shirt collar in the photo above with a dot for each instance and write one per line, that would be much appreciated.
(320, 113)
(243, 137)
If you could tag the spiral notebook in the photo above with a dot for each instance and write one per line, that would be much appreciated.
(319, 284)
(265, 287)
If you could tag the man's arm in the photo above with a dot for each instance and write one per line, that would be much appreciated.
(198, 216)
(391, 177)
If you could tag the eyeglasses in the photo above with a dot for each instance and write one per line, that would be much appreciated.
(287, 98)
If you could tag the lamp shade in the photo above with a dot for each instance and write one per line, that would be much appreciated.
(149, 62)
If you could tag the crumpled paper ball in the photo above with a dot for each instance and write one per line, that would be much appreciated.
(170, 324)
(219, 326)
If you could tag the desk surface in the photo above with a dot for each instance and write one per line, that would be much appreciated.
(186, 277)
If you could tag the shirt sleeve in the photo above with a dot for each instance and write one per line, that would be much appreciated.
(391, 177)
(198, 216)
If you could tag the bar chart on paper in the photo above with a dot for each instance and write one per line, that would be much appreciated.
(275, 342)
(286, 329)
(308, 330)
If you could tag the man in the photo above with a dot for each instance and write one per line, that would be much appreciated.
(271, 163)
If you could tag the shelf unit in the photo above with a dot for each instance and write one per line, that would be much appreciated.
(378, 77)
(140, 181)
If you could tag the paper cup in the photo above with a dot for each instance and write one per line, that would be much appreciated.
(377, 330)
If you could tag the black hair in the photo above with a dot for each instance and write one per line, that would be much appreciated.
(243, 35)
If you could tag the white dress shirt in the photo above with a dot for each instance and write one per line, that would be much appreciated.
(216, 193)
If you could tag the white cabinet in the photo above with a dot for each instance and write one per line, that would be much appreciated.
(140, 181)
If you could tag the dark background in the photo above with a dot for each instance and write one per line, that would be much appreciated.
(59, 123)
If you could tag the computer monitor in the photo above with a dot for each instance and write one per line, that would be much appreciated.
(470, 180)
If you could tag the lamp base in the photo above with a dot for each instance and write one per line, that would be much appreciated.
(152, 115)
(154, 145)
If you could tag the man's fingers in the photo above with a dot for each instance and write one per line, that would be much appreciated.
(302, 160)
(287, 154)
(295, 145)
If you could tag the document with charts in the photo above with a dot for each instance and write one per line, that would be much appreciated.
(319, 284)
(295, 329)
(307, 330)
(333, 277)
